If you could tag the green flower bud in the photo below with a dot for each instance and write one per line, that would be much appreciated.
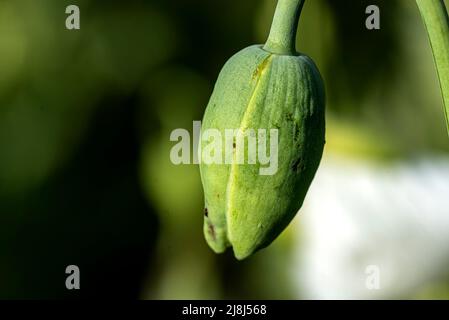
(261, 89)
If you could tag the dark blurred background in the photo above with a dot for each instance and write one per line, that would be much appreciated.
(85, 119)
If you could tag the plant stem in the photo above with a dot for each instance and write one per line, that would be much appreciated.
(436, 20)
(282, 38)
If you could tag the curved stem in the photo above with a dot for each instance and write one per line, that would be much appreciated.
(282, 38)
(436, 19)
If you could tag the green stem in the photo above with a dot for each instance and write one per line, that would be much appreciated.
(282, 38)
(436, 19)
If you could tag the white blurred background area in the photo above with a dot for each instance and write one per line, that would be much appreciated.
(373, 230)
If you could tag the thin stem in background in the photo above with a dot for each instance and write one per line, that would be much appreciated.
(436, 20)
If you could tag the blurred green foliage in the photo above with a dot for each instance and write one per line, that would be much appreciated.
(85, 118)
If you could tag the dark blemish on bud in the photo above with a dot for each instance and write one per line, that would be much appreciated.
(289, 116)
(296, 131)
(211, 230)
(206, 213)
(218, 195)
(233, 145)
(298, 165)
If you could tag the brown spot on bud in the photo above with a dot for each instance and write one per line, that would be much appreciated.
(211, 230)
